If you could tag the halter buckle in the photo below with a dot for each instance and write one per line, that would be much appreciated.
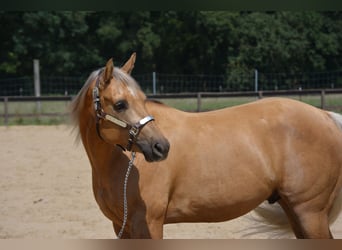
(96, 99)
(134, 131)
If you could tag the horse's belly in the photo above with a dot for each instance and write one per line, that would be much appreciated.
(222, 197)
(190, 211)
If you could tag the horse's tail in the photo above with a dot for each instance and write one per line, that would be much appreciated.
(272, 220)
(337, 207)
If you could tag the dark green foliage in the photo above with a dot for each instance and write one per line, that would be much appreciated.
(73, 43)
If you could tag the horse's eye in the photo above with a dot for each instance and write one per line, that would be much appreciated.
(120, 106)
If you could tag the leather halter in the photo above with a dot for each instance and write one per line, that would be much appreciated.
(133, 130)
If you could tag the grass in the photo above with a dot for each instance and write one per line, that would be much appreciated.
(39, 120)
(333, 101)
(190, 104)
(26, 113)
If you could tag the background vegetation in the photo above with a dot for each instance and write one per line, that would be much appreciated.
(177, 42)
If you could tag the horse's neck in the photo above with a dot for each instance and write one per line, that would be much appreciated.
(165, 115)
(107, 170)
(101, 154)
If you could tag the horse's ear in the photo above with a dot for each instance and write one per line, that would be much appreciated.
(129, 65)
(107, 75)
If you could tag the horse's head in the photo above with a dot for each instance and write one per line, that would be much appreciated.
(121, 115)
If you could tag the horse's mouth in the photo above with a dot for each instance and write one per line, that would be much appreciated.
(156, 151)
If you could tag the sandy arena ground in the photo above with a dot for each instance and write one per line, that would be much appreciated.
(45, 183)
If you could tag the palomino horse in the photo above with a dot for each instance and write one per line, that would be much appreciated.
(213, 166)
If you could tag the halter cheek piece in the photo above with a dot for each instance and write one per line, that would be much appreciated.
(133, 130)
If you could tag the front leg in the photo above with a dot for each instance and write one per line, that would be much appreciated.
(139, 228)
(125, 234)
(145, 227)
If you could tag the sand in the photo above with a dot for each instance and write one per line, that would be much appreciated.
(46, 193)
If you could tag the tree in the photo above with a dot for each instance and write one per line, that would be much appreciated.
(48, 36)
(290, 42)
(181, 42)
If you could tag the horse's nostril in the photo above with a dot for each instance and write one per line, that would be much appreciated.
(158, 148)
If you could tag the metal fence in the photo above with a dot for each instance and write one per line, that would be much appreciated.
(308, 80)
(57, 106)
(50, 85)
(175, 83)
(253, 81)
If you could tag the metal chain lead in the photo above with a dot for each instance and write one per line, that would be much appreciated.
(130, 164)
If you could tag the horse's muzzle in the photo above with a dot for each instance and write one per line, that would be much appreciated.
(156, 151)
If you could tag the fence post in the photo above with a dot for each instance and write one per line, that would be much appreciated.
(36, 77)
(256, 80)
(154, 79)
(322, 99)
(199, 102)
(260, 94)
(6, 110)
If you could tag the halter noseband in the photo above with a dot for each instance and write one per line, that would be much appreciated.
(134, 130)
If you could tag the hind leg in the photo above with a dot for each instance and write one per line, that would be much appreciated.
(314, 225)
(306, 222)
(293, 220)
